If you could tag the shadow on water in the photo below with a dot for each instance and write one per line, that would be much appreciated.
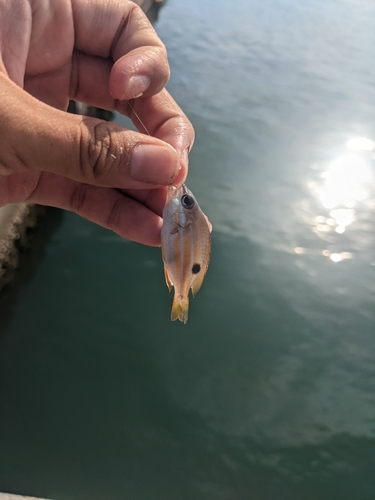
(31, 251)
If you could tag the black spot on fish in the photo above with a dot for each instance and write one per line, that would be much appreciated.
(196, 268)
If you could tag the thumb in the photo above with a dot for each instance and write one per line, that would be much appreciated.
(35, 136)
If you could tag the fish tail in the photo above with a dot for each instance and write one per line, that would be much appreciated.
(180, 309)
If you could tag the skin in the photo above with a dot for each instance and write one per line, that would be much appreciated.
(88, 50)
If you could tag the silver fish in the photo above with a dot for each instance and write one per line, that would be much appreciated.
(186, 247)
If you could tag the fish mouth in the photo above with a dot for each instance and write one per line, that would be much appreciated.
(176, 187)
(177, 191)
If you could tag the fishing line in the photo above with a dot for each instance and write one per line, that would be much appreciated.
(129, 103)
(138, 118)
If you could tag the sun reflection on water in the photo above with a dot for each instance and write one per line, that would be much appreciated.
(345, 195)
(345, 184)
(360, 144)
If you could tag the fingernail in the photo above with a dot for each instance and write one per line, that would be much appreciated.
(136, 86)
(183, 167)
(154, 164)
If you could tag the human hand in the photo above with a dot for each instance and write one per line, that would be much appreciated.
(93, 52)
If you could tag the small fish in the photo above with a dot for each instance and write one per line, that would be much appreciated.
(186, 247)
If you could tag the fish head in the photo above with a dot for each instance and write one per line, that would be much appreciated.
(181, 205)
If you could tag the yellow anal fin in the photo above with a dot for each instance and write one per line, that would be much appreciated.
(168, 279)
(197, 283)
(180, 309)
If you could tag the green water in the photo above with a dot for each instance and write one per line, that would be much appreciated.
(268, 392)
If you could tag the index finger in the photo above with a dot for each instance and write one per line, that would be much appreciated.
(118, 30)
(160, 116)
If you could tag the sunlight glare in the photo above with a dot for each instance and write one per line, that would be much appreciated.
(335, 257)
(344, 181)
(344, 189)
(360, 144)
(343, 216)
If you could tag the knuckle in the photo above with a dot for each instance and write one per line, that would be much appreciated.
(5, 169)
(78, 198)
(113, 220)
(98, 148)
(138, 18)
(161, 63)
(12, 160)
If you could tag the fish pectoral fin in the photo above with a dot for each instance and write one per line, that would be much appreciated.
(180, 309)
(197, 284)
(168, 279)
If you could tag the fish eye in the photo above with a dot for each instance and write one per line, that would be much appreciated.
(187, 201)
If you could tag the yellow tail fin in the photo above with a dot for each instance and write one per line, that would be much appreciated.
(180, 309)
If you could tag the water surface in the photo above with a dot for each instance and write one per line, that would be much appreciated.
(268, 392)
